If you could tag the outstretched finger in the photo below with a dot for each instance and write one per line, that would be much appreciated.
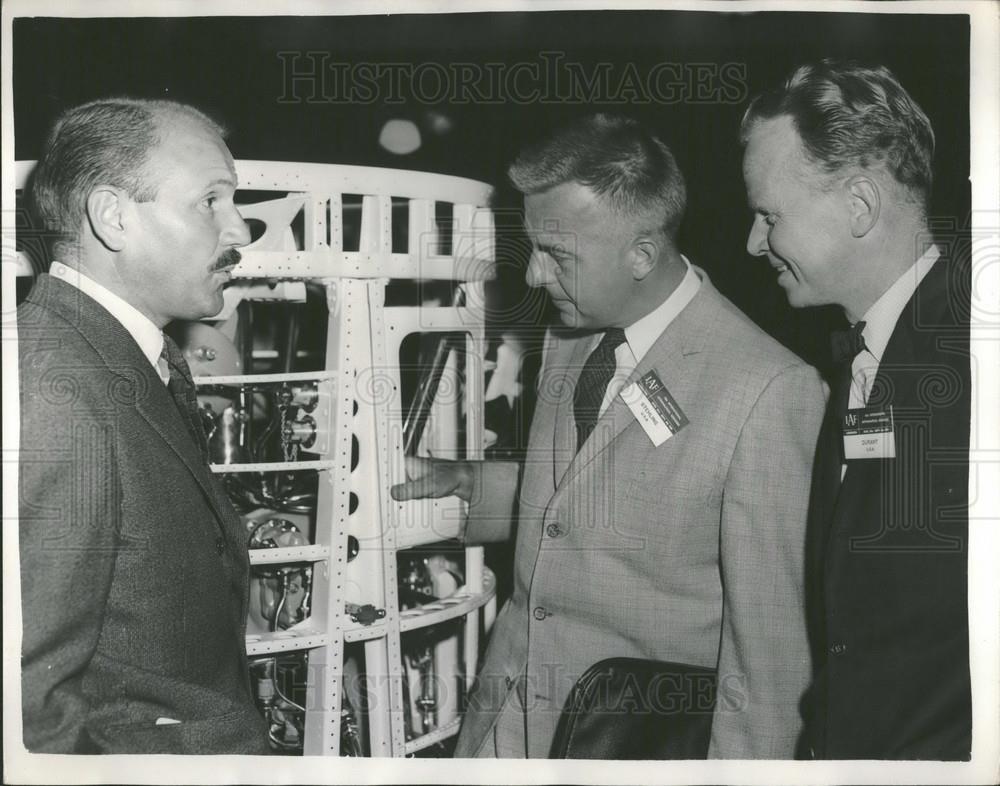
(429, 485)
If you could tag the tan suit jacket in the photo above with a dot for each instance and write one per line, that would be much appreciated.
(692, 551)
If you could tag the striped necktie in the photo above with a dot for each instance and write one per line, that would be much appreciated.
(182, 389)
(593, 384)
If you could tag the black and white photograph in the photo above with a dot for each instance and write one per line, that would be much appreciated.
(402, 392)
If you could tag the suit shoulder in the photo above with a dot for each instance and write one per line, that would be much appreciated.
(738, 337)
(46, 336)
(58, 364)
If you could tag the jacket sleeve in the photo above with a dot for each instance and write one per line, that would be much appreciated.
(68, 538)
(764, 662)
(491, 509)
(494, 502)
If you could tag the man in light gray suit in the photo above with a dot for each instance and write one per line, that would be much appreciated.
(662, 503)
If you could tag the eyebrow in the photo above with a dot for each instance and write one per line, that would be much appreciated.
(222, 181)
(549, 248)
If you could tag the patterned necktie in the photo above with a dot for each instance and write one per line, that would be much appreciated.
(593, 383)
(182, 388)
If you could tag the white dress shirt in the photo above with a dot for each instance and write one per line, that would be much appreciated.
(147, 335)
(880, 320)
(642, 334)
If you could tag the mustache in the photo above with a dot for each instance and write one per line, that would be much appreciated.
(227, 258)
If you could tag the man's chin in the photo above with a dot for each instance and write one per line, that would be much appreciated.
(571, 320)
(568, 315)
(797, 298)
(210, 308)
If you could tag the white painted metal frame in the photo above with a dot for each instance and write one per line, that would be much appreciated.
(362, 366)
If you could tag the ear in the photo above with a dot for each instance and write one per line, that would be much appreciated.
(643, 255)
(865, 203)
(105, 214)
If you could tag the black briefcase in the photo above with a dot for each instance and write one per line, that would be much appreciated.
(629, 708)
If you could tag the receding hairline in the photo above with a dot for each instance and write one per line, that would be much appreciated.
(622, 161)
(813, 169)
(854, 118)
(172, 123)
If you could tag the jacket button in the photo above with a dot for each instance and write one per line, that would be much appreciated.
(837, 649)
(540, 613)
(509, 682)
(220, 544)
(553, 530)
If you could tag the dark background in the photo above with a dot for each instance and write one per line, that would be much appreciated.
(230, 67)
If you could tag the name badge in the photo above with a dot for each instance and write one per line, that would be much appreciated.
(656, 410)
(868, 434)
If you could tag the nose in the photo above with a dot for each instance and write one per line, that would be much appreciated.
(757, 239)
(539, 271)
(235, 231)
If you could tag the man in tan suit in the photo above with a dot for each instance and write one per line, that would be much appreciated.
(662, 503)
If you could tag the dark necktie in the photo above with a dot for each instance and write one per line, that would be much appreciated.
(182, 388)
(827, 474)
(593, 383)
(845, 345)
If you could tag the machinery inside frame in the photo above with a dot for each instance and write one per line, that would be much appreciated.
(264, 423)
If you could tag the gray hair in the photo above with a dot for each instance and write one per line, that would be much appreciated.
(618, 158)
(107, 141)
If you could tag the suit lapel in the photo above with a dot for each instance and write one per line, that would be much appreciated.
(928, 306)
(137, 384)
(682, 340)
(564, 432)
(162, 414)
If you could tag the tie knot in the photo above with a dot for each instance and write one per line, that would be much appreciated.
(613, 337)
(174, 358)
(593, 383)
(846, 344)
(172, 353)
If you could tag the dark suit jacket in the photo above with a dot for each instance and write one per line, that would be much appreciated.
(889, 553)
(134, 567)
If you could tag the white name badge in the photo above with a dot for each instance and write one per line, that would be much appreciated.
(656, 410)
(869, 434)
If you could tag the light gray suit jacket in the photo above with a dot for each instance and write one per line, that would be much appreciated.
(692, 551)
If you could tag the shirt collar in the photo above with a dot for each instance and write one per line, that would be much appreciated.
(642, 334)
(880, 320)
(147, 335)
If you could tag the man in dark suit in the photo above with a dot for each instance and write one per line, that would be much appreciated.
(134, 566)
(838, 173)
